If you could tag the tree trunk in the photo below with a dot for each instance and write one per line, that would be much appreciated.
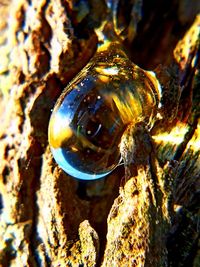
(146, 213)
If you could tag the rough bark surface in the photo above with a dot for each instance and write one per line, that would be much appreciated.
(146, 213)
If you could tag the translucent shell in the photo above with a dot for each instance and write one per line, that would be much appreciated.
(93, 111)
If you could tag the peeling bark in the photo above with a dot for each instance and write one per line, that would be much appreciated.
(145, 213)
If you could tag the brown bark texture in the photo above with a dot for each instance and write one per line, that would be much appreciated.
(146, 212)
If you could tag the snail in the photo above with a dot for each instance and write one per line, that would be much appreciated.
(93, 111)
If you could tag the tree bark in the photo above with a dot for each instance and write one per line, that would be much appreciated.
(145, 213)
